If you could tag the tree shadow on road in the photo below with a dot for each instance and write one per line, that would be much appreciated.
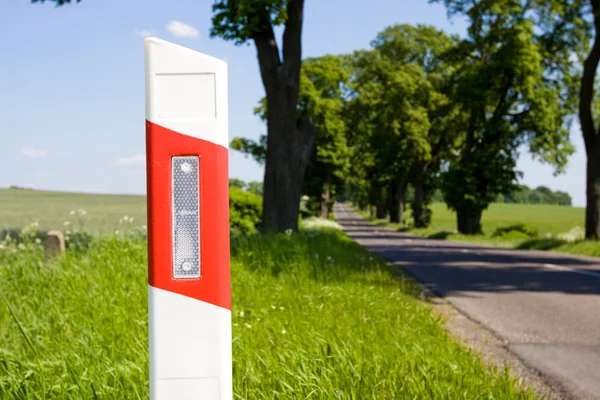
(443, 235)
(541, 244)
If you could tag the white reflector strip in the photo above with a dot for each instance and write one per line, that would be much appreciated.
(186, 216)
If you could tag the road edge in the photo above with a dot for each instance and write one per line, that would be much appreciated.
(486, 344)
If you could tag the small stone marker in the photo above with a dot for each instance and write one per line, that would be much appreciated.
(54, 245)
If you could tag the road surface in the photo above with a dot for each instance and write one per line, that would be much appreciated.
(545, 306)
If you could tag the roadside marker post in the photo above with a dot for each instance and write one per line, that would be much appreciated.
(189, 295)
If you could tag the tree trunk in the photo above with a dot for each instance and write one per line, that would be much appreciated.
(590, 134)
(325, 197)
(469, 222)
(381, 209)
(418, 209)
(397, 197)
(393, 203)
(592, 210)
(287, 158)
(289, 138)
(401, 200)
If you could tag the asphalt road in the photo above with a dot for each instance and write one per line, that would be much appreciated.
(546, 306)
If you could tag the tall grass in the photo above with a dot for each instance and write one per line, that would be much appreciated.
(315, 317)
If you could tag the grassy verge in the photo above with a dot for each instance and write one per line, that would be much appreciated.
(550, 243)
(315, 317)
(52, 210)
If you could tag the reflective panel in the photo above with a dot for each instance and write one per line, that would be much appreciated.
(186, 216)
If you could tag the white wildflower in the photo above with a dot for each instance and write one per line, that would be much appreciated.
(574, 235)
(81, 212)
(248, 326)
(124, 219)
(72, 212)
(281, 308)
(241, 314)
(273, 307)
(67, 223)
(314, 223)
(283, 332)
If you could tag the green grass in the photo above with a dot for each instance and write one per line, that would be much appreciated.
(20, 207)
(550, 220)
(315, 317)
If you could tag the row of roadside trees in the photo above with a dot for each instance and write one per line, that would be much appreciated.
(421, 108)
(429, 110)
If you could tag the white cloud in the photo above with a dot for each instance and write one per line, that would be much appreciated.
(180, 29)
(144, 33)
(30, 152)
(138, 159)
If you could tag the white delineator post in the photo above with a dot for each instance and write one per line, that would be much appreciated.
(189, 297)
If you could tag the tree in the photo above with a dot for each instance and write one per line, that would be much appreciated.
(256, 150)
(255, 187)
(426, 47)
(540, 195)
(322, 89)
(516, 84)
(322, 86)
(290, 137)
(389, 101)
(359, 183)
(237, 183)
(563, 198)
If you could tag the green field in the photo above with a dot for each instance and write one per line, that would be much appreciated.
(315, 317)
(19, 207)
(560, 228)
(552, 219)
(51, 209)
(547, 218)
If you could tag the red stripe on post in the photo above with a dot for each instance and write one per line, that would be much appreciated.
(214, 285)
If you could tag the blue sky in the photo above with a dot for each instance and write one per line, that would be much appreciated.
(72, 86)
